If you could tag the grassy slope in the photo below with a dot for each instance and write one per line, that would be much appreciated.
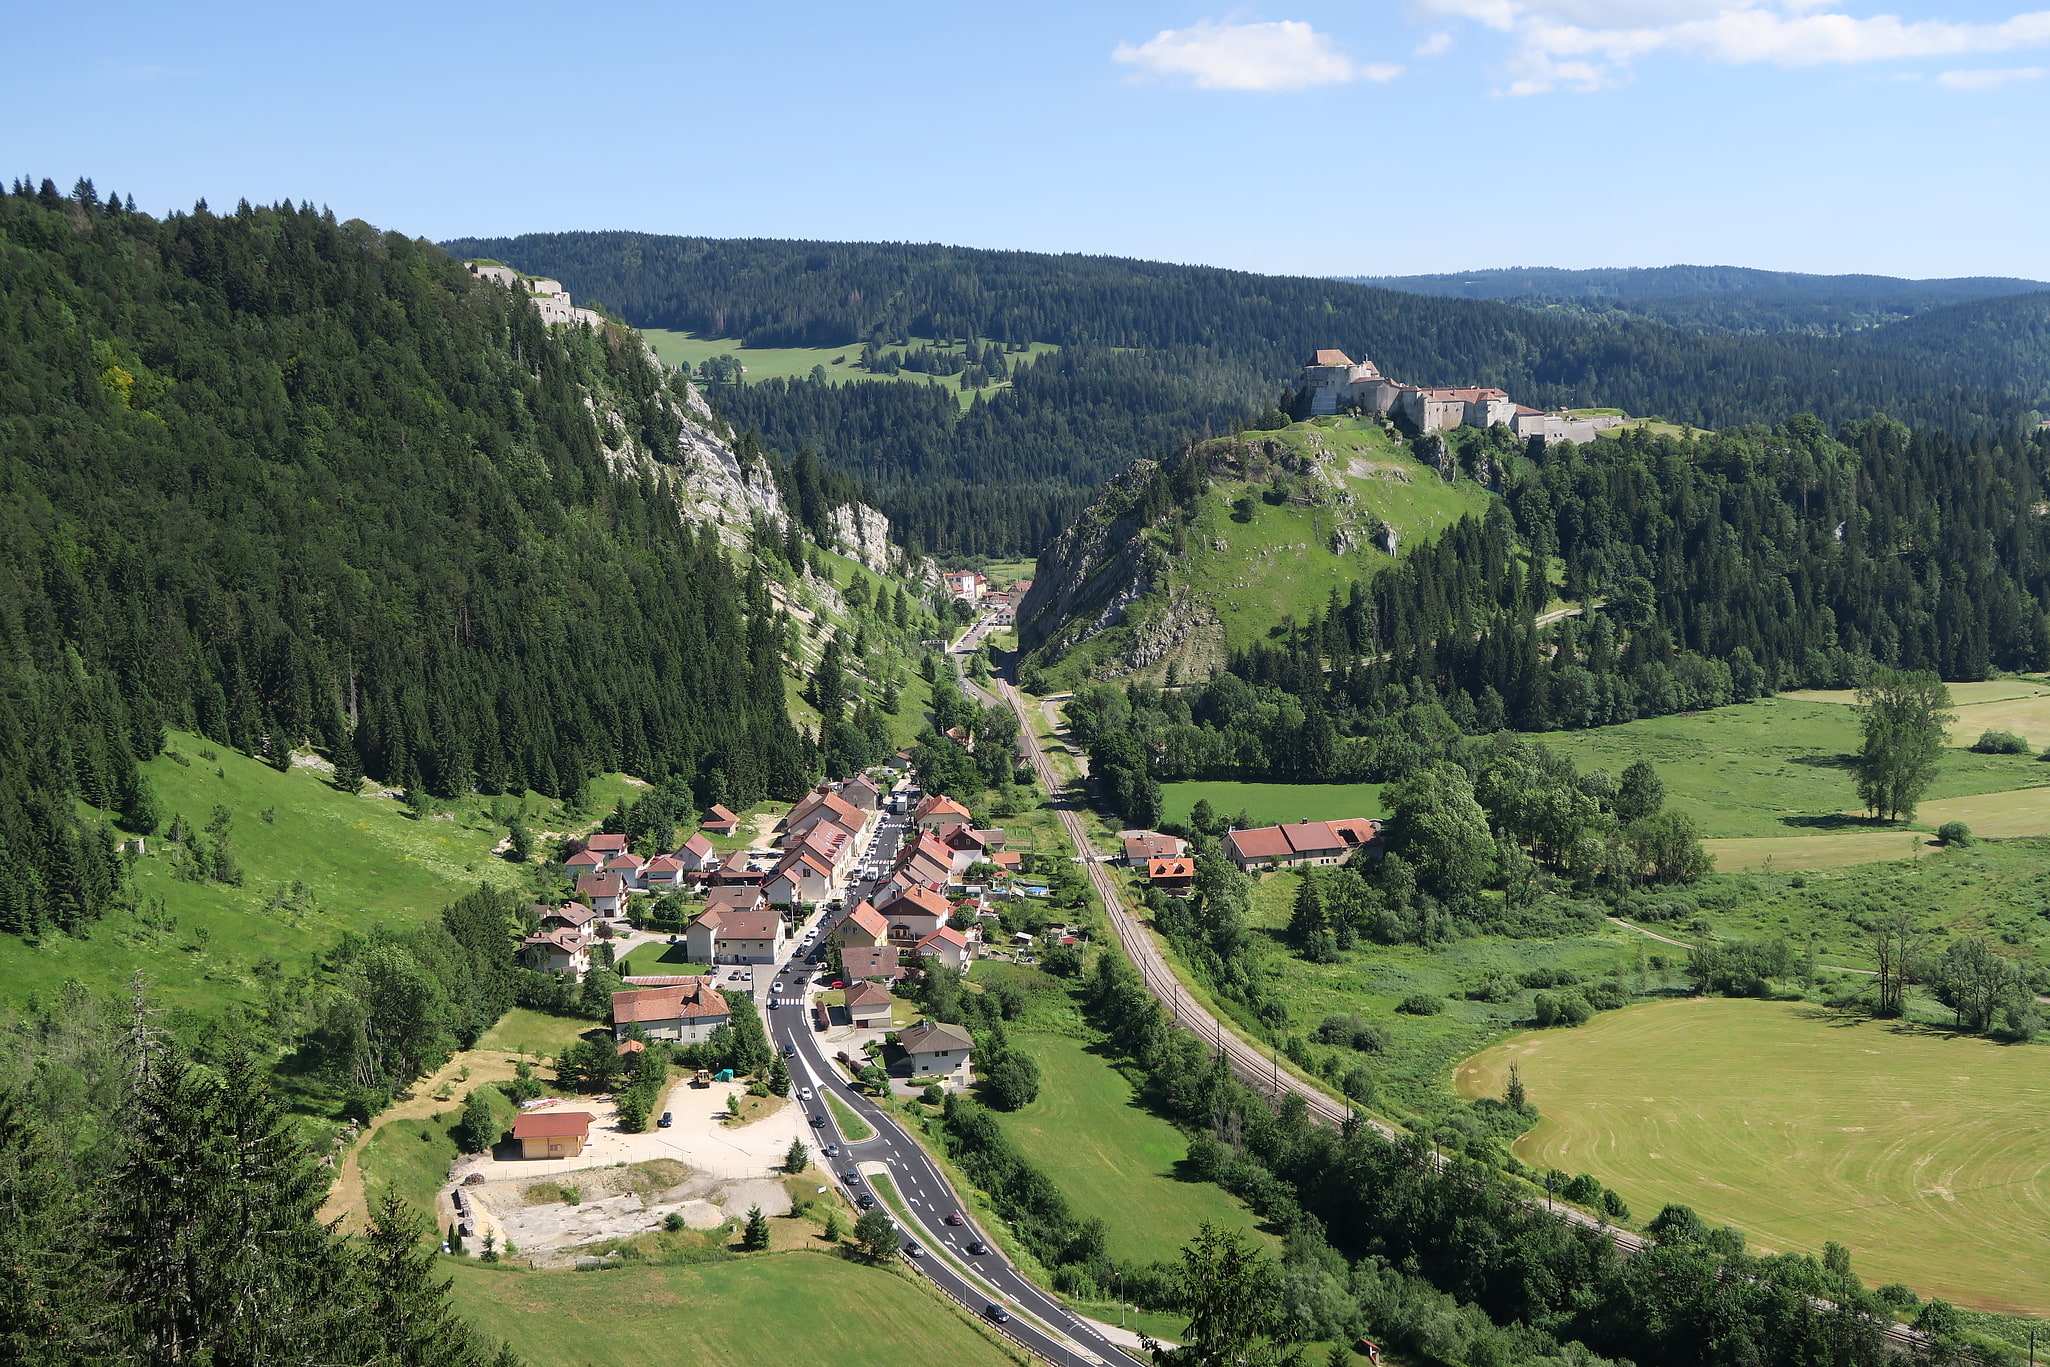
(767, 363)
(1110, 1157)
(1373, 978)
(365, 860)
(1280, 560)
(1923, 1153)
(777, 1310)
(1777, 767)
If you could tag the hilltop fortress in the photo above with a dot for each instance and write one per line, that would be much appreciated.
(1334, 382)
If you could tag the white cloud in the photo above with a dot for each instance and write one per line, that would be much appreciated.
(1284, 55)
(1437, 45)
(1588, 44)
(1989, 78)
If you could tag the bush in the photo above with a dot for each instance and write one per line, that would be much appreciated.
(1351, 1032)
(1954, 833)
(1420, 1004)
(1560, 1008)
(1549, 977)
(1992, 742)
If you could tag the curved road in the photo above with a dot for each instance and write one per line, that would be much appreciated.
(1038, 1322)
(1258, 1068)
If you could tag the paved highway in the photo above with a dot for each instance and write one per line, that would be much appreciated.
(1037, 1322)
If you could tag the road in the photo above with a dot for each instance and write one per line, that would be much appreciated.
(1259, 1068)
(1038, 1323)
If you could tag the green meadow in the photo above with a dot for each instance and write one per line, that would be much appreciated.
(769, 363)
(1274, 804)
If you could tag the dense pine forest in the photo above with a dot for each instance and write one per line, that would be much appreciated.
(1249, 331)
(1731, 299)
(288, 481)
(1722, 568)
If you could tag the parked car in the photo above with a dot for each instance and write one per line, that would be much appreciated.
(978, 1249)
(837, 984)
(997, 1314)
(668, 1119)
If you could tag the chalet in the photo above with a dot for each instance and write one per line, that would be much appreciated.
(663, 873)
(881, 963)
(734, 937)
(914, 914)
(948, 946)
(934, 811)
(607, 845)
(869, 1005)
(1140, 846)
(584, 861)
(934, 1049)
(720, 821)
(552, 1134)
(604, 893)
(862, 928)
(1175, 877)
(557, 951)
(686, 1010)
(697, 853)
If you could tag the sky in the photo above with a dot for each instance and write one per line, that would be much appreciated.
(1904, 137)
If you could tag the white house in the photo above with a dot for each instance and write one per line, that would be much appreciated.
(688, 1011)
(696, 854)
(734, 937)
(558, 951)
(935, 1049)
(948, 946)
(604, 893)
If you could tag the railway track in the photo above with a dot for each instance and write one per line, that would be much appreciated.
(1257, 1068)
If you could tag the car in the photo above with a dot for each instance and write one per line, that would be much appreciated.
(774, 1004)
(674, 940)
(837, 984)
(818, 1122)
(977, 1248)
(804, 1094)
(789, 1051)
(850, 1174)
(997, 1314)
(668, 1119)
(865, 1201)
(831, 1151)
(957, 1218)
(912, 1250)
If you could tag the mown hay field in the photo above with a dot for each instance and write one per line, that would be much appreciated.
(1926, 1154)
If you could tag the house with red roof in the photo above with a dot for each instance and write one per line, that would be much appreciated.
(947, 945)
(697, 853)
(605, 844)
(936, 810)
(863, 791)
(868, 1004)
(557, 951)
(604, 893)
(568, 916)
(735, 937)
(800, 879)
(663, 873)
(914, 914)
(720, 820)
(584, 861)
(1140, 846)
(883, 962)
(861, 928)
(686, 1010)
(628, 866)
(1175, 877)
(1303, 844)
(552, 1134)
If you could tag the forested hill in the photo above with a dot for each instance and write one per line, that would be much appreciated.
(1732, 299)
(1750, 560)
(289, 481)
(1134, 333)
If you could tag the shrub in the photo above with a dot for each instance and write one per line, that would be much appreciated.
(1991, 742)
(1351, 1032)
(673, 1222)
(1420, 1004)
(1954, 833)
(1549, 977)
(1560, 1008)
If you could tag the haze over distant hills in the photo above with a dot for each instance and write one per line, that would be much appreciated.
(1733, 299)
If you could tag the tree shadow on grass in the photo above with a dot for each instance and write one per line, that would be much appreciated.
(1840, 821)
(1825, 761)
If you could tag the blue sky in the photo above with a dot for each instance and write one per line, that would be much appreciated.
(1904, 137)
